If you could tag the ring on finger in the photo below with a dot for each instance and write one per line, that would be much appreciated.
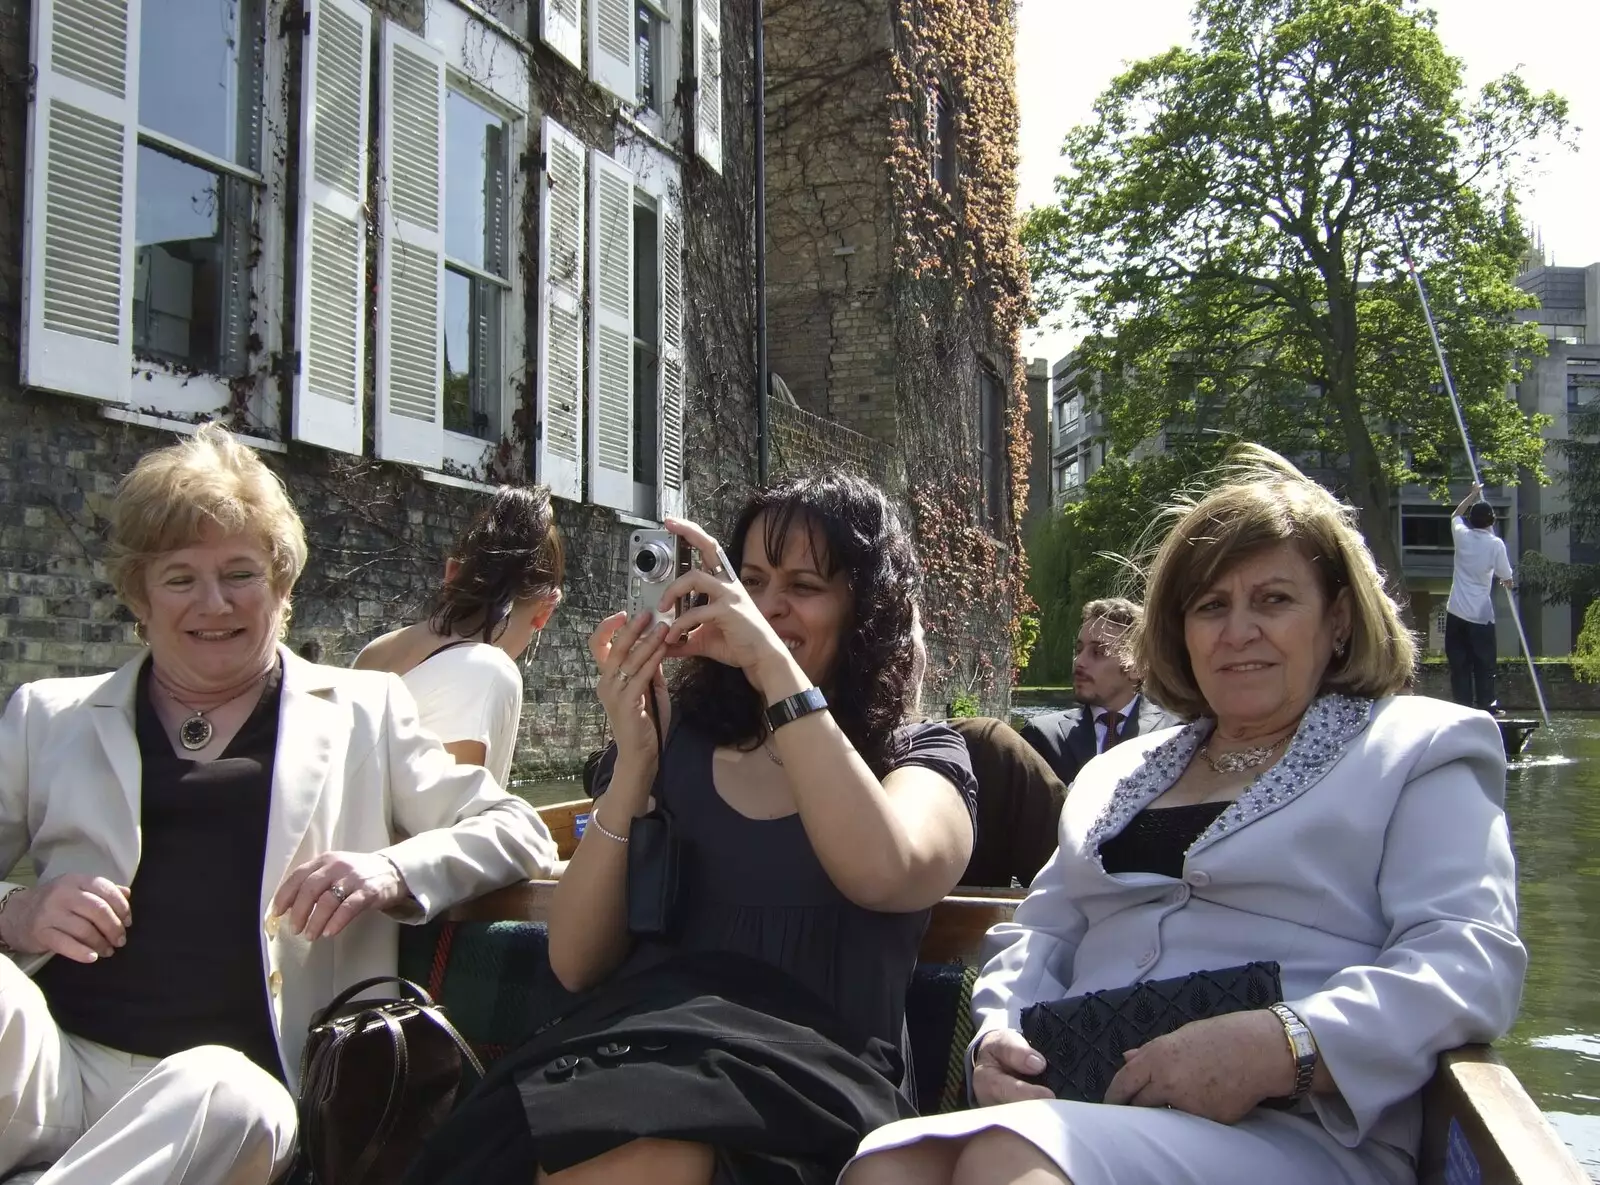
(339, 893)
(622, 675)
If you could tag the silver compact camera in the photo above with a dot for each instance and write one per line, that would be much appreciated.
(655, 560)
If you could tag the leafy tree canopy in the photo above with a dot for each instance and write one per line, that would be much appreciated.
(1228, 232)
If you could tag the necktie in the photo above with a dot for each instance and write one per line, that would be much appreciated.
(1113, 723)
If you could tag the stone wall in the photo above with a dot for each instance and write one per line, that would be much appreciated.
(1563, 692)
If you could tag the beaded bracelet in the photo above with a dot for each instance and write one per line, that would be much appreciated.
(594, 821)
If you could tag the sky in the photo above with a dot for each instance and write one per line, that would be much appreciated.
(1069, 50)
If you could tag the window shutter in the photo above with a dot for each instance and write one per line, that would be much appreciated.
(561, 29)
(611, 48)
(611, 335)
(669, 481)
(77, 325)
(410, 368)
(708, 83)
(332, 248)
(559, 381)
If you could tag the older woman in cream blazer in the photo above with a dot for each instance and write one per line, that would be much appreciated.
(224, 837)
(1309, 816)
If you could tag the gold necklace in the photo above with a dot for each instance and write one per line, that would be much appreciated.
(1237, 761)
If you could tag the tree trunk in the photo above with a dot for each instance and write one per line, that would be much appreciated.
(1370, 490)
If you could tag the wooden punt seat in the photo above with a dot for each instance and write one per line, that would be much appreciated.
(487, 962)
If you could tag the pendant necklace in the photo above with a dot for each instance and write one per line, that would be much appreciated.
(1240, 760)
(196, 732)
(772, 754)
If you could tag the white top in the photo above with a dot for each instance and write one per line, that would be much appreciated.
(1480, 557)
(471, 693)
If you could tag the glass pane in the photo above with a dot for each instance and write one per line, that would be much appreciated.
(475, 202)
(191, 275)
(457, 352)
(473, 379)
(648, 34)
(200, 75)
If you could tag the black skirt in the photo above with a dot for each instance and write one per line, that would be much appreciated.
(718, 1050)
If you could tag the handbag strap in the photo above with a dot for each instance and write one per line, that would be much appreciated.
(417, 994)
(397, 1091)
(437, 1016)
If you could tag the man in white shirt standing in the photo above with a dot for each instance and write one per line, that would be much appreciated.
(1469, 642)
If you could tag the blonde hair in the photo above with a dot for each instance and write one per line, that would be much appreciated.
(208, 480)
(1261, 502)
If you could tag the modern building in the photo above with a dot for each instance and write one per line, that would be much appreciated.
(1568, 376)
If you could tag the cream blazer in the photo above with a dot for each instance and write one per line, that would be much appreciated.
(353, 771)
(1372, 863)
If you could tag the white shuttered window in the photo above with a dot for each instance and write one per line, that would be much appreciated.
(410, 372)
(670, 480)
(708, 82)
(559, 385)
(329, 327)
(611, 334)
(561, 28)
(612, 47)
(77, 241)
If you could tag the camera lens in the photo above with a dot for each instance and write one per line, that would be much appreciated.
(652, 562)
(645, 561)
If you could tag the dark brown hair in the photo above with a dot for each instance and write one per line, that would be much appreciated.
(512, 552)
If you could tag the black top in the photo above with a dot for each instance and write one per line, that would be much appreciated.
(191, 972)
(1155, 840)
(755, 887)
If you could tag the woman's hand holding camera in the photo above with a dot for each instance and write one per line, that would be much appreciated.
(727, 627)
(628, 654)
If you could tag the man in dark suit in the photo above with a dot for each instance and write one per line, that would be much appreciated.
(1113, 707)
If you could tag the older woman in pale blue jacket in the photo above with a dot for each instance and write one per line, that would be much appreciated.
(1309, 816)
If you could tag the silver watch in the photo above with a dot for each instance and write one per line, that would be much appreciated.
(1302, 1045)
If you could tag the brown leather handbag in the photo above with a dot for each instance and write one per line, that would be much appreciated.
(376, 1078)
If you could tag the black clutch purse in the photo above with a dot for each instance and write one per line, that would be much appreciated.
(1082, 1038)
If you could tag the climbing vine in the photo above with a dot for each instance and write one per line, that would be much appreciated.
(963, 297)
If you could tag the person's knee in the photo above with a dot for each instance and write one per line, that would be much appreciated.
(1000, 1155)
(927, 1162)
(241, 1105)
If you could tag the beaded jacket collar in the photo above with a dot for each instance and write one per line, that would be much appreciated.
(1327, 727)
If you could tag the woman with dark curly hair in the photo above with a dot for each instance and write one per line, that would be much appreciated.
(757, 1031)
(501, 584)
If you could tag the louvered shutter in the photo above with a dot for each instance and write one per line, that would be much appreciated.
(559, 383)
(332, 249)
(612, 45)
(669, 481)
(561, 28)
(77, 264)
(611, 334)
(410, 368)
(708, 82)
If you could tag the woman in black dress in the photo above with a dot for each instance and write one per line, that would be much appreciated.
(760, 1036)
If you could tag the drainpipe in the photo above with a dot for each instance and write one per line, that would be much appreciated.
(763, 379)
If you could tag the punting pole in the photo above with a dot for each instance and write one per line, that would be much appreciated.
(1466, 443)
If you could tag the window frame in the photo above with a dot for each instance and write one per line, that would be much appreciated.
(483, 65)
(666, 123)
(166, 390)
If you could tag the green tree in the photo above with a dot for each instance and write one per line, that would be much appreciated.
(1084, 552)
(1226, 231)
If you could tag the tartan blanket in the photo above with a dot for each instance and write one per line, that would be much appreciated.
(494, 979)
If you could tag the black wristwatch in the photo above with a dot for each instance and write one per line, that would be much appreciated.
(787, 711)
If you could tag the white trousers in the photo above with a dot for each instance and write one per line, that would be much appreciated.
(97, 1116)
